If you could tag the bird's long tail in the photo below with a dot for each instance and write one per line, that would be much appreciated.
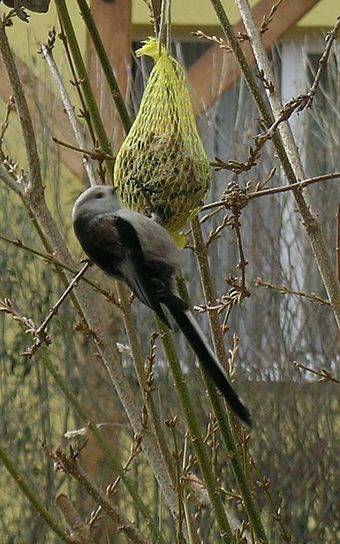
(199, 344)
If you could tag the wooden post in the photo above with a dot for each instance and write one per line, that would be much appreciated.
(113, 19)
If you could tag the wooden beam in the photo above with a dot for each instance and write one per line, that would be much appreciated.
(217, 70)
(113, 20)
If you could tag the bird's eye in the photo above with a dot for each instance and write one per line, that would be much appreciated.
(99, 195)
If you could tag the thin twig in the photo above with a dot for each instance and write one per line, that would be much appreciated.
(330, 38)
(69, 464)
(261, 184)
(192, 531)
(95, 155)
(323, 374)
(267, 19)
(274, 190)
(39, 333)
(264, 483)
(77, 129)
(83, 112)
(299, 185)
(10, 181)
(10, 106)
(35, 180)
(241, 36)
(242, 262)
(7, 307)
(50, 259)
(85, 81)
(111, 488)
(238, 167)
(283, 290)
(80, 531)
(171, 423)
(216, 232)
(217, 40)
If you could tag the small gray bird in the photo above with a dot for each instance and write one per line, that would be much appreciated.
(138, 251)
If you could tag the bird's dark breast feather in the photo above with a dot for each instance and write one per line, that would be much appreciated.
(98, 238)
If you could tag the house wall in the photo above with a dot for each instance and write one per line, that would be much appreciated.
(186, 16)
(200, 13)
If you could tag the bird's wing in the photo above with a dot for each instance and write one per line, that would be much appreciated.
(134, 268)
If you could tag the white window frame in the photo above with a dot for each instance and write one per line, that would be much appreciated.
(294, 77)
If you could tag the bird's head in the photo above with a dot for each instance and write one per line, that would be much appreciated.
(97, 199)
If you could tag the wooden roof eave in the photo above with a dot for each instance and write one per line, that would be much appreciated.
(215, 60)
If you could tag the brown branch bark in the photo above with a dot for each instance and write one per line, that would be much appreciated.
(80, 531)
(283, 290)
(70, 465)
(274, 190)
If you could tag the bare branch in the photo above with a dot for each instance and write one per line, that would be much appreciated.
(274, 190)
(296, 104)
(267, 19)
(330, 38)
(77, 129)
(222, 44)
(323, 374)
(70, 465)
(10, 106)
(9, 180)
(80, 531)
(95, 155)
(58, 264)
(238, 167)
(111, 488)
(39, 333)
(24, 114)
(241, 36)
(283, 290)
(293, 186)
(6, 306)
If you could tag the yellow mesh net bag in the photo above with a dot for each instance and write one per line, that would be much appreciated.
(162, 166)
